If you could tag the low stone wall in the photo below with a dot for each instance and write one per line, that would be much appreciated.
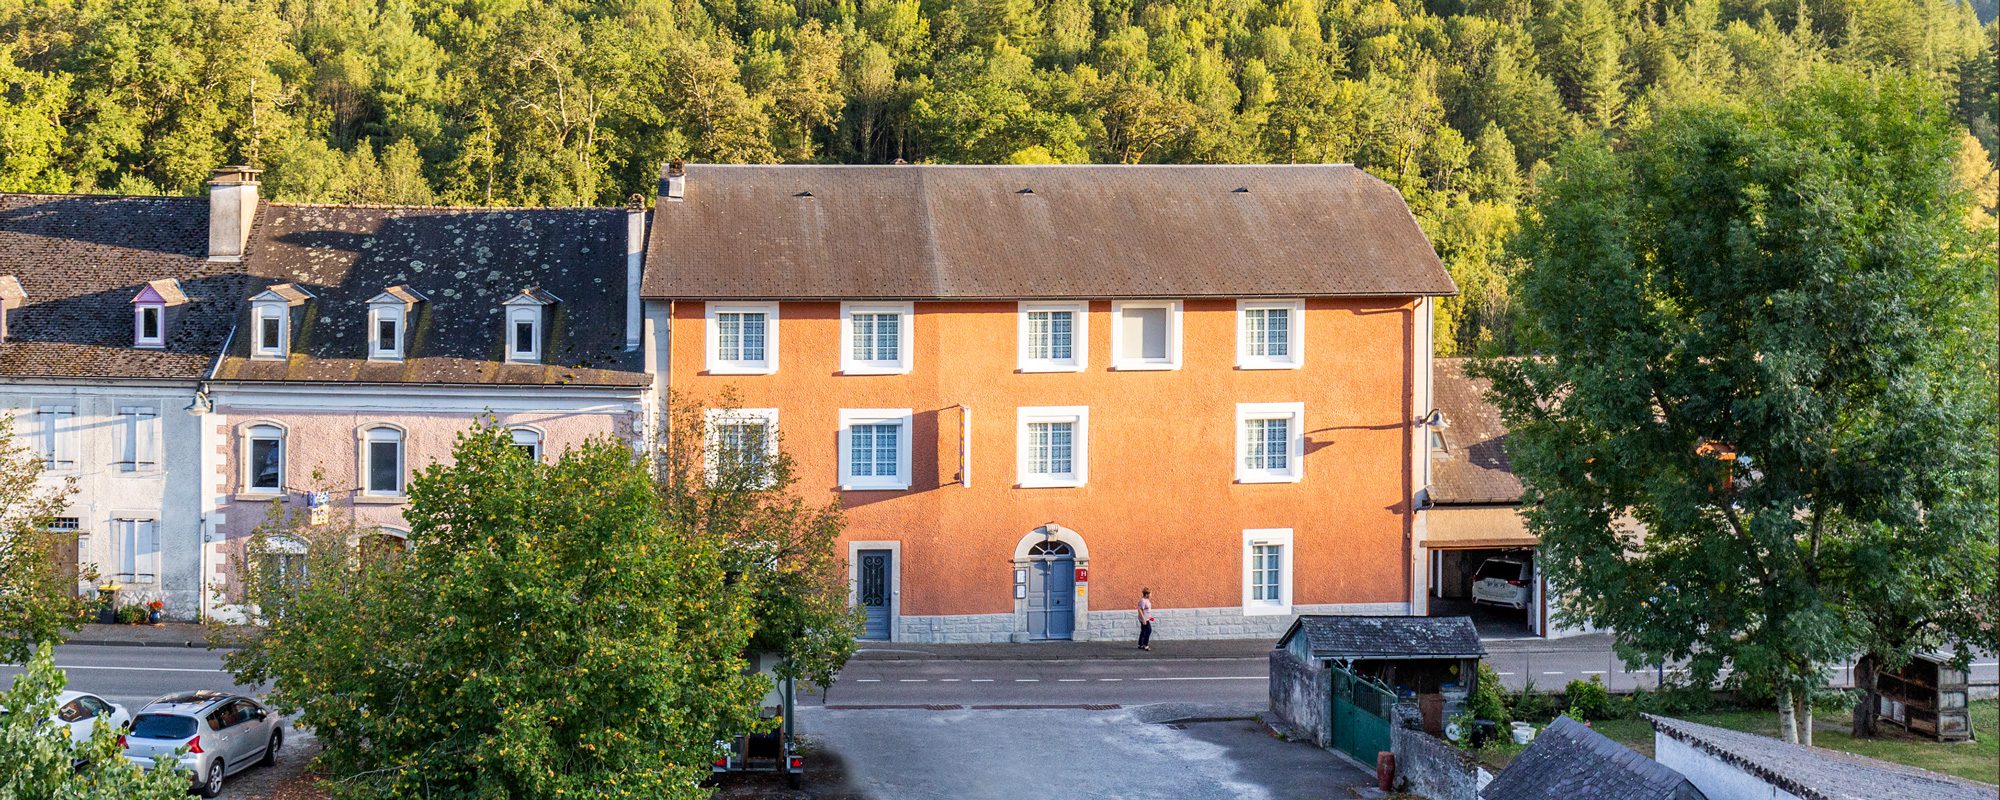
(1429, 766)
(1301, 695)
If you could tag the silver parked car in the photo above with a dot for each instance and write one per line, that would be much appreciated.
(223, 733)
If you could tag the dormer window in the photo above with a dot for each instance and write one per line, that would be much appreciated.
(389, 322)
(149, 312)
(271, 320)
(523, 332)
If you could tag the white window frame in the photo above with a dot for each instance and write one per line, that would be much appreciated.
(850, 417)
(1294, 469)
(139, 337)
(384, 312)
(250, 435)
(139, 427)
(136, 542)
(717, 366)
(1079, 352)
(1294, 341)
(849, 364)
(270, 311)
(55, 435)
(768, 417)
(516, 314)
(1119, 361)
(529, 437)
(368, 437)
(1024, 468)
(1282, 538)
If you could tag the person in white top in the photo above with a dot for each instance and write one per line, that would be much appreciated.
(1145, 619)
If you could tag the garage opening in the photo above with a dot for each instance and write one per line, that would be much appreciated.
(1500, 588)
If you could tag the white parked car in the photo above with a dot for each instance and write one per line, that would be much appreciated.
(82, 712)
(1502, 582)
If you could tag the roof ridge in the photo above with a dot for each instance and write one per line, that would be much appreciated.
(395, 207)
(98, 196)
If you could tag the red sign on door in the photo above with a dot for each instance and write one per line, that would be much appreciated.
(1082, 574)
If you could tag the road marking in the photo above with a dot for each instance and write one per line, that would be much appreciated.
(1069, 680)
(1986, 664)
(982, 680)
(1506, 674)
(1209, 678)
(1027, 680)
(139, 669)
(1110, 680)
(1593, 672)
(1552, 673)
(947, 680)
(912, 680)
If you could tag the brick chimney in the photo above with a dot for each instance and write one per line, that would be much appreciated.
(232, 205)
(676, 187)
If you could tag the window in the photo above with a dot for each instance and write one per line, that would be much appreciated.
(1146, 335)
(271, 319)
(66, 524)
(1268, 334)
(1267, 571)
(1270, 441)
(524, 333)
(741, 443)
(875, 338)
(149, 326)
(137, 542)
(264, 459)
(386, 328)
(1054, 337)
(874, 448)
(55, 436)
(528, 440)
(141, 428)
(1053, 446)
(1437, 441)
(382, 459)
(742, 338)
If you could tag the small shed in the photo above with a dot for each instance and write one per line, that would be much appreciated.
(1336, 676)
(1733, 765)
(1927, 697)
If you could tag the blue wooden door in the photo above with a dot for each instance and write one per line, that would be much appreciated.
(1052, 597)
(873, 593)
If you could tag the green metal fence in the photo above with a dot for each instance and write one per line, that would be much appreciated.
(1360, 715)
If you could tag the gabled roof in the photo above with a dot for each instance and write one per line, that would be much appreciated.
(465, 263)
(165, 291)
(1345, 637)
(289, 294)
(1814, 773)
(11, 293)
(533, 295)
(81, 260)
(399, 293)
(1474, 467)
(1569, 761)
(1023, 232)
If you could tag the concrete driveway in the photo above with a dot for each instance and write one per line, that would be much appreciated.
(914, 754)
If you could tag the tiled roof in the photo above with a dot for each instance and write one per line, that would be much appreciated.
(1353, 637)
(465, 263)
(1813, 773)
(1474, 468)
(1007, 232)
(82, 259)
(1569, 761)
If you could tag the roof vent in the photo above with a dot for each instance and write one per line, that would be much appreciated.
(1024, 190)
(1241, 190)
(803, 194)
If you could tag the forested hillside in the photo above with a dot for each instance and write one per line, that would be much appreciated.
(572, 102)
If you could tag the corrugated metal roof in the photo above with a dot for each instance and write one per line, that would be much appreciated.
(1024, 232)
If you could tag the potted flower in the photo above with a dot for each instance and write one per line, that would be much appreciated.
(153, 609)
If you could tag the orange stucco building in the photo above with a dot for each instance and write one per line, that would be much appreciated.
(1040, 390)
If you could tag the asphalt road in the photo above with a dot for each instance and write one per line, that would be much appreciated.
(133, 676)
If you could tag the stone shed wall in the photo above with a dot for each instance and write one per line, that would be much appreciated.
(1301, 695)
(1429, 766)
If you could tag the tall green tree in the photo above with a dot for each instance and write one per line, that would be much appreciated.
(547, 634)
(1767, 339)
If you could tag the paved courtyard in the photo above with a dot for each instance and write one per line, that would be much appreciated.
(968, 754)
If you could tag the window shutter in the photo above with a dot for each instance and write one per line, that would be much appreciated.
(56, 436)
(128, 547)
(148, 558)
(147, 445)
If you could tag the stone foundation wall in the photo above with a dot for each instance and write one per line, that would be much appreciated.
(1428, 766)
(1123, 624)
(1301, 695)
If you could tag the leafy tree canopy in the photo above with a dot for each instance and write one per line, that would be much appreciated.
(38, 761)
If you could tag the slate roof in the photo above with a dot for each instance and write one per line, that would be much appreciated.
(465, 263)
(1569, 761)
(1474, 468)
(1341, 636)
(80, 261)
(1813, 773)
(1024, 232)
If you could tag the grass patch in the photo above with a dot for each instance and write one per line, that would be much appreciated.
(1978, 760)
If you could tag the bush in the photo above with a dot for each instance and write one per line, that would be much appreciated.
(1488, 700)
(1589, 698)
(1531, 704)
(134, 614)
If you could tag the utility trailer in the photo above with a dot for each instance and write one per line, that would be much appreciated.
(776, 750)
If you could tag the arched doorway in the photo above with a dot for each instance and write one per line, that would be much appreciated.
(1051, 591)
